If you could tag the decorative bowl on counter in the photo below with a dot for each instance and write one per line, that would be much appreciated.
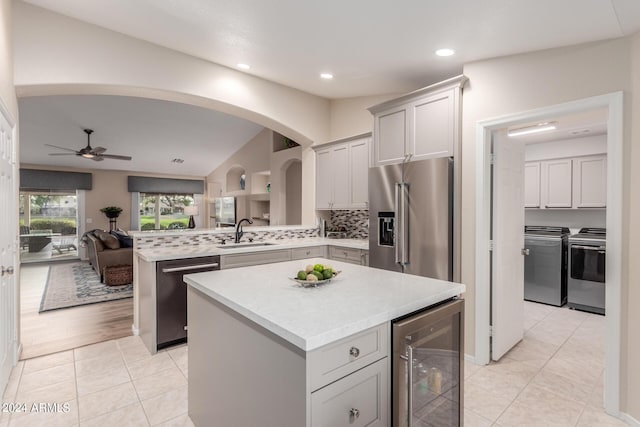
(311, 284)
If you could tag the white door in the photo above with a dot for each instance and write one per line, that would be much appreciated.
(8, 256)
(507, 293)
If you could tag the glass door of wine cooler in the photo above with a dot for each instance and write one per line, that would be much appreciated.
(428, 367)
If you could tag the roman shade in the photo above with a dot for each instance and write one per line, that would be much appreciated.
(47, 180)
(145, 184)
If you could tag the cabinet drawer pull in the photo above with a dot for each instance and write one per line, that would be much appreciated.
(308, 252)
(353, 415)
(354, 351)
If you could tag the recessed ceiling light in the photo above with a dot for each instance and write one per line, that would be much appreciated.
(445, 52)
(540, 127)
(326, 76)
(244, 66)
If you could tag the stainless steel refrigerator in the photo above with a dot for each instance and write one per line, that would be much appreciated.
(224, 211)
(411, 218)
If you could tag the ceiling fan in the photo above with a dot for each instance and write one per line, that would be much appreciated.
(88, 152)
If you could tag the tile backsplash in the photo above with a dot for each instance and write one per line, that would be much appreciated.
(218, 236)
(355, 222)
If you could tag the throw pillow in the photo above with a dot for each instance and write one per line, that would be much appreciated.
(109, 241)
(125, 240)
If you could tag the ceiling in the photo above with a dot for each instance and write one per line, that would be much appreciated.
(152, 132)
(371, 47)
(577, 125)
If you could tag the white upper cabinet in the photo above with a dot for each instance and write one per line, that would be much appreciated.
(590, 182)
(420, 125)
(532, 185)
(434, 126)
(556, 183)
(391, 128)
(324, 190)
(359, 173)
(342, 174)
(579, 182)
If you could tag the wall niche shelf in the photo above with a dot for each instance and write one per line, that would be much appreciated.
(235, 179)
(260, 181)
(281, 142)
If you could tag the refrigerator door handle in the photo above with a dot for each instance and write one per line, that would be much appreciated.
(405, 229)
(399, 221)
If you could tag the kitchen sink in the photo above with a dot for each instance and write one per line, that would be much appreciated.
(244, 245)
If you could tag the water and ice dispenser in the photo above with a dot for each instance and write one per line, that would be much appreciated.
(386, 226)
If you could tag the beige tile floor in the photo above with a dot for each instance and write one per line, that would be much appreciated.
(113, 383)
(552, 378)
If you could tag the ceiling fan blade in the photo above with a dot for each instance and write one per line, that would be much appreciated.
(63, 154)
(96, 158)
(98, 150)
(62, 148)
(114, 156)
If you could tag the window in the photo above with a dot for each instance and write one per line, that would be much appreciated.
(164, 211)
(48, 225)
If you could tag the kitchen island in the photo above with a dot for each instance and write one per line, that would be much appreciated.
(265, 351)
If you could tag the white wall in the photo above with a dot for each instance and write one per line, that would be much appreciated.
(55, 54)
(586, 146)
(631, 293)
(7, 91)
(350, 117)
(518, 83)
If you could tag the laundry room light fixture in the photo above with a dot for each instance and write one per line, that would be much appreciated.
(326, 76)
(539, 127)
(445, 52)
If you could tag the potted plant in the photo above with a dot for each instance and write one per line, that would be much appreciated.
(111, 211)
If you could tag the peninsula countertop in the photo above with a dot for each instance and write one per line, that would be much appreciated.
(358, 298)
(193, 251)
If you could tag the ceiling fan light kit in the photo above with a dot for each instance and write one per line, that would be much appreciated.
(88, 152)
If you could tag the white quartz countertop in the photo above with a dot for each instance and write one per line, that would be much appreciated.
(357, 299)
(193, 251)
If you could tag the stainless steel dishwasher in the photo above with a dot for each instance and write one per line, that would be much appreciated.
(171, 296)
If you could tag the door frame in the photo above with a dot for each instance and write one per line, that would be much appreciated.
(614, 103)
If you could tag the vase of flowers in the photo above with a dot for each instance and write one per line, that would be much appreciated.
(111, 212)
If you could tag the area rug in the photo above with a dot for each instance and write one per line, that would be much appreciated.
(74, 284)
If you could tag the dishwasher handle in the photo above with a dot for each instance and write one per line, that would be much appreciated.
(213, 265)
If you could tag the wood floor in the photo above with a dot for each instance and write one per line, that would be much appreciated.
(64, 329)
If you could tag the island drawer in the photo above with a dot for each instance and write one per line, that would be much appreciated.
(345, 254)
(254, 258)
(361, 399)
(338, 359)
(310, 252)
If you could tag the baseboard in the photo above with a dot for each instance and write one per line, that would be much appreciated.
(18, 354)
(470, 358)
(629, 419)
(135, 331)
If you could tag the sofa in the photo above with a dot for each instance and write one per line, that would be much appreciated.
(105, 249)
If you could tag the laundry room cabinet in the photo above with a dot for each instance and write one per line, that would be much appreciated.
(568, 183)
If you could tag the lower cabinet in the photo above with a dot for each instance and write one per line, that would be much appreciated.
(310, 252)
(350, 255)
(353, 256)
(254, 258)
(359, 399)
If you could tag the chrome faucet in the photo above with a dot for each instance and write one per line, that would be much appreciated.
(239, 231)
